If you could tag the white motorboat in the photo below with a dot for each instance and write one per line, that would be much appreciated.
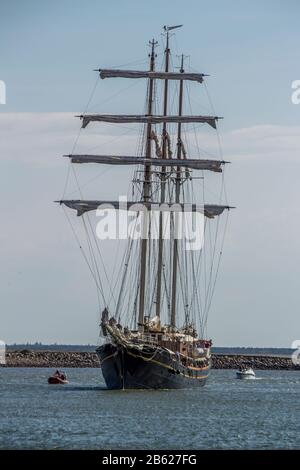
(245, 373)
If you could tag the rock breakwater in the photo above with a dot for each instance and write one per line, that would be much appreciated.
(62, 359)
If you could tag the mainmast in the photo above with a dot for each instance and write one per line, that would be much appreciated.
(177, 198)
(146, 193)
(163, 182)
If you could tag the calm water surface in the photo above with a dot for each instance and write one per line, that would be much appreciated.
(226, 413)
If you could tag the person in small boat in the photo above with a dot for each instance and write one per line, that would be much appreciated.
(61, 375)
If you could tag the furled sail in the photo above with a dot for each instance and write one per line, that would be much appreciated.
(112, 73)
(209, 210)
(212, 165)
(135, 118)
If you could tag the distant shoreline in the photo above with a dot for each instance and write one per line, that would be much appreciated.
(84, 359)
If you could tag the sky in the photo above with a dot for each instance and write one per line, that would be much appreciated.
(48, 51)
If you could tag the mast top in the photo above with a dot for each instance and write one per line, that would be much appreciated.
(153, 45)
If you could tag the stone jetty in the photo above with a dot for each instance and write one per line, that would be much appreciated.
(62, 359)
(235, 361)
(54, 359)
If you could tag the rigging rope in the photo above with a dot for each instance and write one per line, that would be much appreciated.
(99, 287)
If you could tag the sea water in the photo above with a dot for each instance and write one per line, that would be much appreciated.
(225, 414)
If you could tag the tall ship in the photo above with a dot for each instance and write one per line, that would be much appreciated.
(155, 332)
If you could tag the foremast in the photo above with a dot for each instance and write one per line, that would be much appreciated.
(177, 200)
(163, 181)
(146, 195)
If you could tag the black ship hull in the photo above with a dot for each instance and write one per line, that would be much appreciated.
(153, 368)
